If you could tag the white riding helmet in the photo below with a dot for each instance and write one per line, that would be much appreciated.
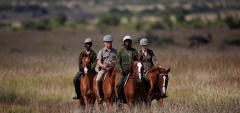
(127, 37)
(144, 41)
(88, 40)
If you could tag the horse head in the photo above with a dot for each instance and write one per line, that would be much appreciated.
(136, 69)
(163, 76)
(111, 65)
(86, 63)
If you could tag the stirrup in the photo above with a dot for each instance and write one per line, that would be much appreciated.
(100, 101)
(76, 97)
(119, 103)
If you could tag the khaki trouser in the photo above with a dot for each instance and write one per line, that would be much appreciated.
(99, 76)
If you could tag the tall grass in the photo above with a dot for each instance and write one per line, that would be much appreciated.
(37, 74)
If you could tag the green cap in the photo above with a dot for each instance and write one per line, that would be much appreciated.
(107, 38)
(144, 41)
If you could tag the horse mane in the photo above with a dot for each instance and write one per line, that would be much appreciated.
(155, 68)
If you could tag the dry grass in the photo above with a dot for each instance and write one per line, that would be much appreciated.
(37, 69)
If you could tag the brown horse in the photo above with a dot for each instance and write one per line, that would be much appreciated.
(107, 86)
(134, 89)
(86, 87)
(158, 84)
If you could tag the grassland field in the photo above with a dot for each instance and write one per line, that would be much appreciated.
(37, 70)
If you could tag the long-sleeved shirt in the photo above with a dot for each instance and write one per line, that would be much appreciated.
(124, 58)
(93, 58)
(148, 59)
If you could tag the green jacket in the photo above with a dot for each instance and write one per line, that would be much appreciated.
(124, 58)
(93, 57)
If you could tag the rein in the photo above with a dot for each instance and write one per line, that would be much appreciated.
(160, 86)
(135, 73)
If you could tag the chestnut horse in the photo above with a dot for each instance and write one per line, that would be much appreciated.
(134, 89)
(158, 84)
(107, 86)
(87, 95)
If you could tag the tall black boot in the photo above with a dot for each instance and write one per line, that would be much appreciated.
(77, 89)
(120, 98)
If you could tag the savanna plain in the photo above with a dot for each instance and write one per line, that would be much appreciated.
(37, 70)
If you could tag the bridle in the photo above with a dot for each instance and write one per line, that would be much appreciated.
(137, 75)
(162, 76)
(87, 65)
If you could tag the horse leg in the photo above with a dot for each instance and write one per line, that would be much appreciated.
(129, 93)
(86, 100)
(150, 92)
(81, 102)
(160, 102)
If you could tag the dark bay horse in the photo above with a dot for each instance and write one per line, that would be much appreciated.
(107, 86)
(158, 84)
(134, 89)
(87, 95)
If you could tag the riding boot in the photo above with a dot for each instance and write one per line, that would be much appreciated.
(98, 92)
(146, 84)
(77, 88)
(120, 98)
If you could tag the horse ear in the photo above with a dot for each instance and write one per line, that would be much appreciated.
(134, 58)
(168, 70)
(130, 66)
(84, 55)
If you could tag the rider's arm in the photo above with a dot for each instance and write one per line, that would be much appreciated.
(94, 61)
(118, 61)
(80, 61)
(154, 59)
(100, 58)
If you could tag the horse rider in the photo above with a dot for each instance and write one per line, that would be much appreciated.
(105, 56)
(93, 59)
(148, 59)
(123, 60)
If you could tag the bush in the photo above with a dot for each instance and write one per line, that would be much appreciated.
(232, 23)
(156, 40)
(108, 20)
(234, 42)
(42, 24)
(61, 18)
(28, 24)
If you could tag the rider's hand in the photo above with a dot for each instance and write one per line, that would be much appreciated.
(159, 66)
(103, 66)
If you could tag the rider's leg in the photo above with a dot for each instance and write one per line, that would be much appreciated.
(119, 88)
(146, 82)
(99, 76)
(76, 82)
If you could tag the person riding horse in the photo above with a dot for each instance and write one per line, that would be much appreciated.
(93, 59)
(123, 60)
(105, 56)
(148, 58)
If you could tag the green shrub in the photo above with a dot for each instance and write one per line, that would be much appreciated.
(28, 24)
(43, 24)
(234, 42)
(61, 18)
(108, 20)
(232, 22)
